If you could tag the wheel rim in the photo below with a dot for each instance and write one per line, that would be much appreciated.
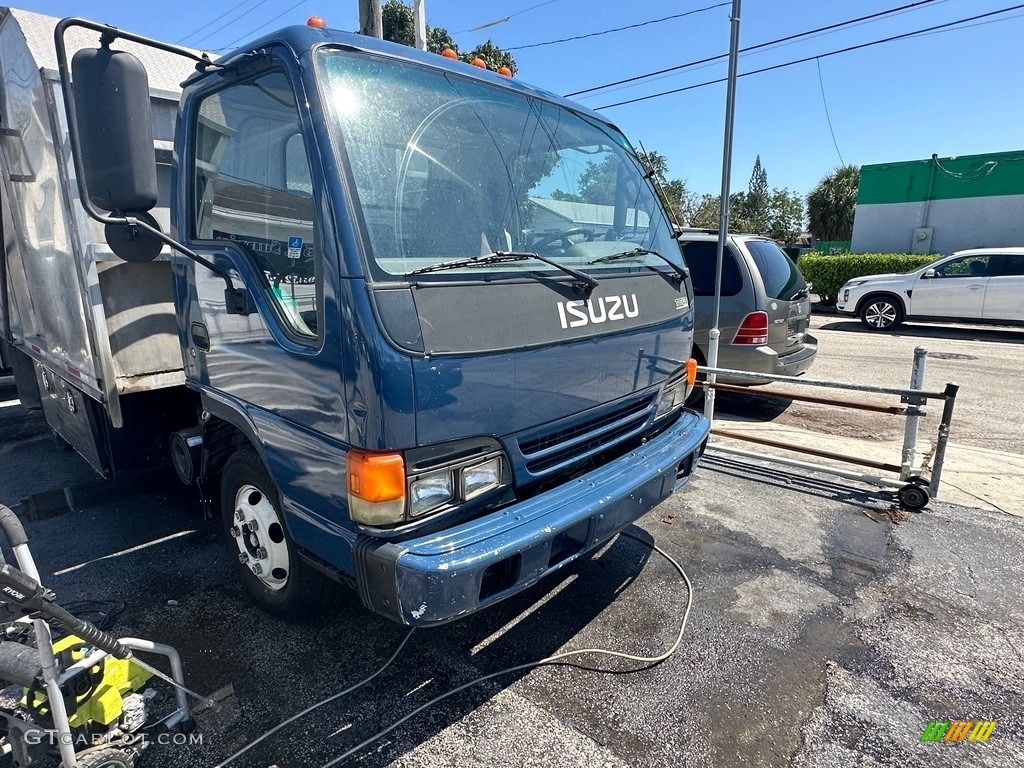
(880, 314)
(259, 535)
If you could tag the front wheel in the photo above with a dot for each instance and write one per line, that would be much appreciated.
(880, 313)
(277, 578)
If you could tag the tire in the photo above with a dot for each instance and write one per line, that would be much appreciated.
(107, 758)
(881, 312)
(277, 578)
(914, 496)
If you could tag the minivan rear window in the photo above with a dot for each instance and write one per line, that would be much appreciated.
(782, 280)
(701, 257)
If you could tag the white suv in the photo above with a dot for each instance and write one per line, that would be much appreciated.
(980, 285)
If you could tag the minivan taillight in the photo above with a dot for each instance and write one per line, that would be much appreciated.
(753, 329)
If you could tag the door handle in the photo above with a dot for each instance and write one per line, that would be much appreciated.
(201, 336)
(975, 287)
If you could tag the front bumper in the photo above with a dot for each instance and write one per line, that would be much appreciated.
(451, 573)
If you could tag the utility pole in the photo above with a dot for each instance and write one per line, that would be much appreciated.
(419, 17)
(723, 218)
(370, 22)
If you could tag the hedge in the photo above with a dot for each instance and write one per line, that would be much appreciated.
(827, 273)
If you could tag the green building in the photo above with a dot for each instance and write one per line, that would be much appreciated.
(941, 205)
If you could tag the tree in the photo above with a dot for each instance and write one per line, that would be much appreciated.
(707, 210)
(831, 204)
(755, 202)
(597, 182)
(399, 27)
(397, 23)
(784, 215)
(493, 55)
(674, 194)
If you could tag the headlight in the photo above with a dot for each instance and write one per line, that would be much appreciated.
(430, 492)
(480, 478)
(676, 390)
(852, 283)
(389, 489)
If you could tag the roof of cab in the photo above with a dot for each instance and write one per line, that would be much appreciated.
(301, 38)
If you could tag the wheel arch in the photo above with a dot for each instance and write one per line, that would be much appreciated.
(882, 293)
(225, 431)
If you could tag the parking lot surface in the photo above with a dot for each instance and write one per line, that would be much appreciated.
(827, 629)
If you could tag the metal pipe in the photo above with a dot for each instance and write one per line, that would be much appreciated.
(805, 382)
(895, 410)
(715, 333)
(881, 482)
(943, 439)
(804, 449)
(913, 415)
(44, 645)
(419, 19)
(177, 671)
(5, 301)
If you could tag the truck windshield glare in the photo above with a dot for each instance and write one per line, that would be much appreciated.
(450, 168)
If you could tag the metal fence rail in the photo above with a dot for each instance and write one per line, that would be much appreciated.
(917, 483)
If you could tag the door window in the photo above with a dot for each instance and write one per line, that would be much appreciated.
(1006, 266)
(969, 266)
(702, 260)
(253, 186)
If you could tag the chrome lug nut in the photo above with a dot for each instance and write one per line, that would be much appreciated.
(261, 553)
(243, 558)
(239, 515)
(257, 569)
(235, 533)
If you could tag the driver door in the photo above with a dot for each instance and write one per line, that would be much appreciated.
(956, 290)
(274, 372)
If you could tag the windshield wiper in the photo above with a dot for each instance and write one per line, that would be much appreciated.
(585, 285)
(682, 272)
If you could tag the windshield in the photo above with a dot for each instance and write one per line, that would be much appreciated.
(448, 168)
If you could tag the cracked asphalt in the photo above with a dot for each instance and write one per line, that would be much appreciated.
(827, 629)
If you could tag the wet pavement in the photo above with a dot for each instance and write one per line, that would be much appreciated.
(827, 629)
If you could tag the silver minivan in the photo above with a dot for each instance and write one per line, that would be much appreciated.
(765, 307)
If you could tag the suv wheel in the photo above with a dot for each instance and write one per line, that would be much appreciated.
(880, 313)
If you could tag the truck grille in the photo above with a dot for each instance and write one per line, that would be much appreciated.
(558, 449)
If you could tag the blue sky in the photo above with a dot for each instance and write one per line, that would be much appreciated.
(952, 93)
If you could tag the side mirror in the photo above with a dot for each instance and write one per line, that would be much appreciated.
(115, 129)
(928, 274)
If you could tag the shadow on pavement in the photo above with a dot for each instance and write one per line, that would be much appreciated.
(1001, 334)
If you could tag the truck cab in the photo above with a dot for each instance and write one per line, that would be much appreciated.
(454, 355)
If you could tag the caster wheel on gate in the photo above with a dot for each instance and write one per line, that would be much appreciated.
(914, 497)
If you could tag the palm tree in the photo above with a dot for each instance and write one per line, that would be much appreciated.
(831, 204)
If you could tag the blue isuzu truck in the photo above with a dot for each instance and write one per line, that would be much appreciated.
(419, 327)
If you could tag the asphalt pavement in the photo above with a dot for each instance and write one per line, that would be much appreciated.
(828, 629)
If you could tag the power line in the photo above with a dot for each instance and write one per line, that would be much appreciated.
(503, 19)
(796, 36)
(212, 32)
(828, 117)
(918, 33)
(767, 48)
(618, 29)
(287, 10)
